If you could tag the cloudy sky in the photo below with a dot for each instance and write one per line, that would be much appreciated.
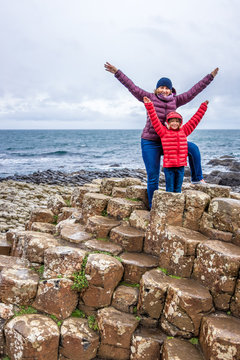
(53, 52)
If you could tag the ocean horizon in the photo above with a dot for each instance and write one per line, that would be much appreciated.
(25, 151)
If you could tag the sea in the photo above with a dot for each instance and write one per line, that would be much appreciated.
(23, 152)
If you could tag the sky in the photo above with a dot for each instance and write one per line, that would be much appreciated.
(53, 53)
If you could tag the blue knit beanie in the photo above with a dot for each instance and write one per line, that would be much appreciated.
(164, 82)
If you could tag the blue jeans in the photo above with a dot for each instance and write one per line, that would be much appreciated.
(151, 153)
(174, 178)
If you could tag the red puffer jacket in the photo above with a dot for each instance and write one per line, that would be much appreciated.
(175, 142)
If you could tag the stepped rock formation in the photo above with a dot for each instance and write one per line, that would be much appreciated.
(104, 278)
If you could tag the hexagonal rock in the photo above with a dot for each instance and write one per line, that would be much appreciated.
(128, 237)
(135, 265)
(31, 244)
(35, 245)
(137, 192)
(177, 252)
(62, 260)
(167, 209)
(196, 203)
(109, 183)
(79, 192)
(125, 298)
(116, 329)
(69, 212)
(225, 213)
(32, 337)
(185, 305)
(41, 215)
(235, 301)
(215, 234)
(103, 273)
(119, 192)
(146, 344)
(56, 297)
(213, 190)
(43, 227)
(220, 337)
(78, 341)
(100, 225)
(101, 245)
(18, 286)
(140, 219)
(93, 204)
(122, 208)
(153, 289)
(216, 267)
(12, 262)
(5, 247)
(56, 203)
(75, 233)
(180, 350)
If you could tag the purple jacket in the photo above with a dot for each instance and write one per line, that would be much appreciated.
(163, 105)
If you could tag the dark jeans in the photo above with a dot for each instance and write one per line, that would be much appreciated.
(151, 153)
(174, 178)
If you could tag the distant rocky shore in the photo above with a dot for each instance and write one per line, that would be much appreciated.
(227, 174)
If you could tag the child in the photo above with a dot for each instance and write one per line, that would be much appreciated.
(174, 142)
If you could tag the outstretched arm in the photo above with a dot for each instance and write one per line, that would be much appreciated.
(156, 123)
(195, 120)
(187, 96)
(128, 83)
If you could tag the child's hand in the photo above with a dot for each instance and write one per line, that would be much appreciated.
(108, 67)
(206, 102)
(146, 99)
(214, 72)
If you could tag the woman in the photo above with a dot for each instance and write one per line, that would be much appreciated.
(165, 100)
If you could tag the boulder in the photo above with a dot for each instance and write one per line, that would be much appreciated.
(177, 251)
(122, 208)
(12, 262)
(216, 267)
(74, 233)
(146, 344)
(137, 192)
(129, 238)
(56, 297)
(135, 265)
(220, 337)
(196, 203)
(140, 219)
(78, 194)
(93, 204)
(125, 298)
(43, 227)
(109, 183)
(226, 214)
(185, 305)
(153, 290)
(56, 203)
(78, 341)
(41, 215)
(62, 260)
(18, 286)
(180, 350)
(100, 225)
(32, 337)
(119, 192)
(102, 246)
(103, 273)
(213, 190)
(116, 329)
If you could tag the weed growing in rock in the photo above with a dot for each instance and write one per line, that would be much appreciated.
(133, 199)
(6, 358)
(106, 239)
(229, 312)
(137, 318)
(135, 310)
(104, 212)
(165, 271)
(68, 202)
(193, 341)
(55, 219)
(57, 321)
(92, 323)
(39, 270)
(130, 285)
(78, 313)
(23, 310)
(79, 278)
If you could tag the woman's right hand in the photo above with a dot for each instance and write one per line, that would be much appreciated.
(111, 68)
